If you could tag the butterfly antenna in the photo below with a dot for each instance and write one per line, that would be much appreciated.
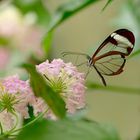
(81, 64)
(76, 59)
(88, 71)
(74, 53)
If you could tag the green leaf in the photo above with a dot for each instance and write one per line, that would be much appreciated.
(108, 2)
(34, 6)
(41, 89)
(136, 53)
(1, 107)
(68, 130)
(4, 41)
(47, 43)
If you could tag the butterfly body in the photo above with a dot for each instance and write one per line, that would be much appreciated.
(110, 57)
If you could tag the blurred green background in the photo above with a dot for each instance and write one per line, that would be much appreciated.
(83, 32)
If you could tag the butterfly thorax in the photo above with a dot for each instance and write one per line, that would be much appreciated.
(90, 62)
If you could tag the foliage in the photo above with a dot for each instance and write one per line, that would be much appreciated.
(69, 130)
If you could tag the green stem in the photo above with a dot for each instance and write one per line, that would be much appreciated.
(1, 129)
(135, 54)
(39, 116)
(118, 89)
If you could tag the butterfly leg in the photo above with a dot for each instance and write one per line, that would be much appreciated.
(102, 78)
(88, 71)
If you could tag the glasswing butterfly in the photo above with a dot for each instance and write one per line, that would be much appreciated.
(110, 57)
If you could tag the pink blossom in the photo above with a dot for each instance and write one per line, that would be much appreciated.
(19, 95)
(22, 91)
(72, 87)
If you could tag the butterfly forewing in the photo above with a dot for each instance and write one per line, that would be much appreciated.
(121, 40)
(109, 59)
(124, 44)
(76, 58)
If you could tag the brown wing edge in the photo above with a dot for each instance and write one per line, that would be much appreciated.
(120, 70)
(123, 32)
(127, 34)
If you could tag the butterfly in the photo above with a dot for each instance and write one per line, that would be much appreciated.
(110, 57)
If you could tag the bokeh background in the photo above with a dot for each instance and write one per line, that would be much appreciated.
(21, 34)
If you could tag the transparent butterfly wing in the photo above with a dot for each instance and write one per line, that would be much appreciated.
(110, 65)
(108, 46)
(76, 58)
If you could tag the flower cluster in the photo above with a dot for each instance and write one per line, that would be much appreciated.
(65, 78)
(22, 93)
(16, 95)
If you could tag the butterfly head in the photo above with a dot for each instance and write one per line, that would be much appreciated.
(90, 62)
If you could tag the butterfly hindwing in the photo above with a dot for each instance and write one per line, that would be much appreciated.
(110, 65)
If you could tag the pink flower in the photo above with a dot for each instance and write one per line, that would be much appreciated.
(15, 96)
(64, 78)
(21, 89)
